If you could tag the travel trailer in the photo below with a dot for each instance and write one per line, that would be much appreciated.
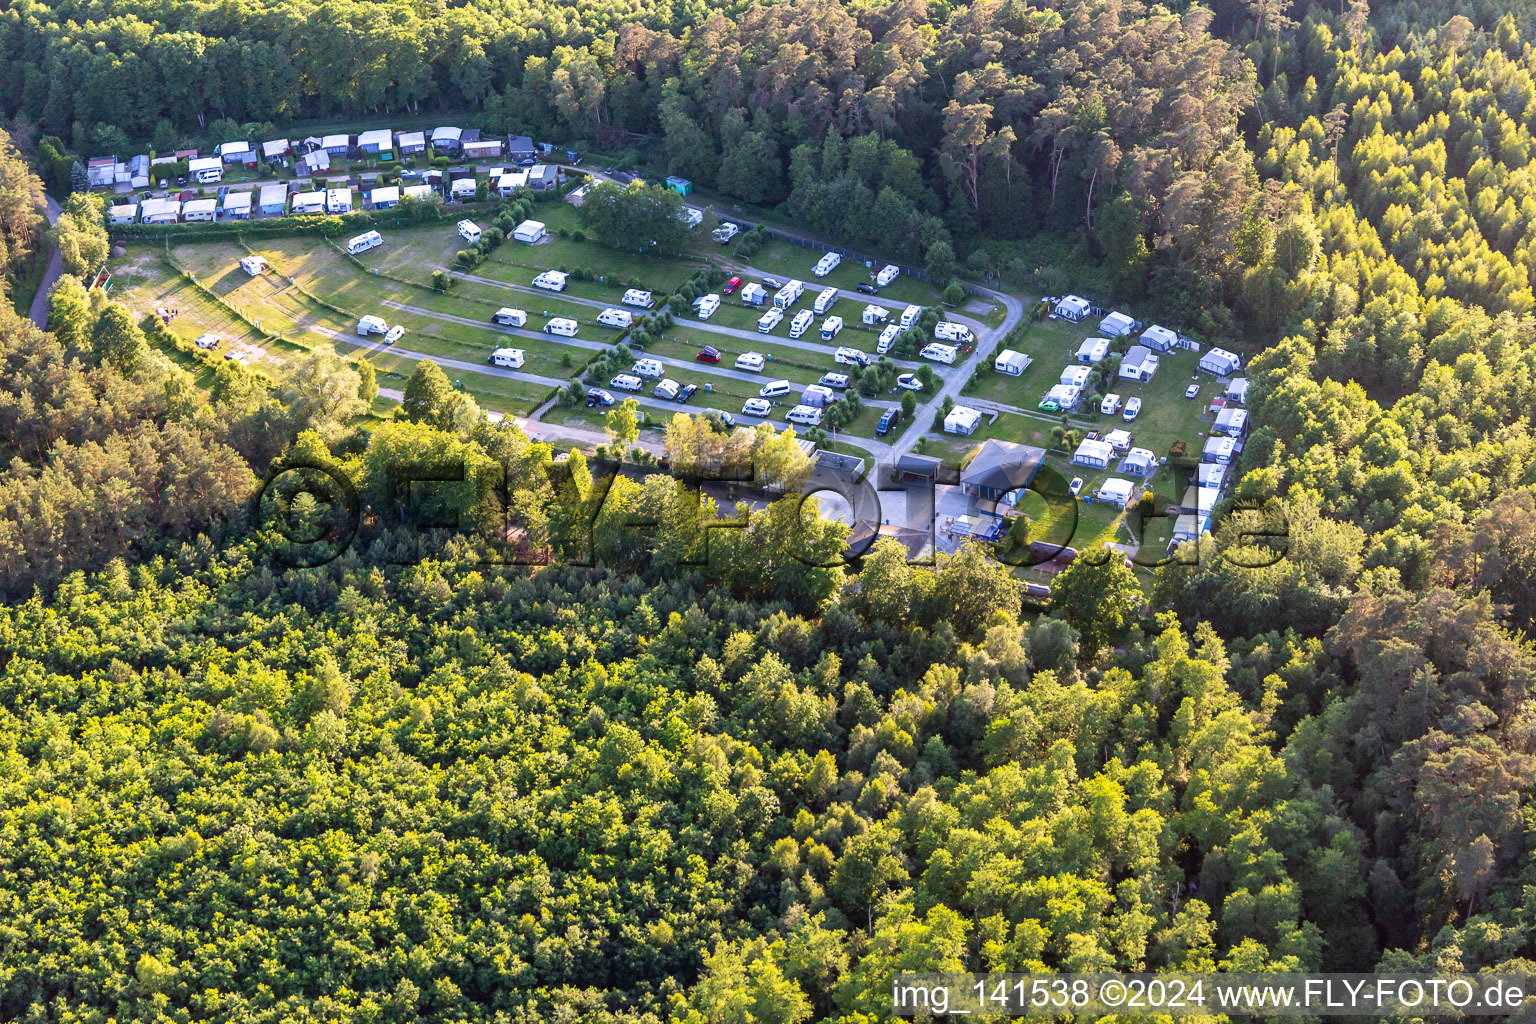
(362, 243)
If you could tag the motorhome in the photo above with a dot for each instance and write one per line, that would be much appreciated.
(638, 297)
(565, 327)
(825, 300)
(831, 327)
(620, 318)
(769, 320)
(887, 275)
(773, 389)
(827, 264)
(888, 338)
(706, 305)
(909, 315)
(948, 330)
(801, 323)
(371, 324)
(788, 295)
(939, 353)
(647, 367)
(469, 231)
(836, 381)
(806, 415)
(551, 281)
(725, 232)
(756, 407)
(851, 357)
(750, 361)
(510, 358)
(627, 382)
(365, 241)
(509, 317)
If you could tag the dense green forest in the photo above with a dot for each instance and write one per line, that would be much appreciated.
(417, 783)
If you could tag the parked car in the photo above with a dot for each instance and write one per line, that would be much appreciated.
(887, 421)
(181, 179)
(909, 381)
(708, 354)
(868, 289)
(1049, 405)
(395, 334)
(732, 285)
(1193, 391)
(1075, 486)
(772, 283)
(687, 392)
(1132, 409)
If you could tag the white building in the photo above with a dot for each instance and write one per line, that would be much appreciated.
(338, 200)
(509, 181)
(125, 213)
(206, 170)
(385, 198)
(1220, 362)
(316, 161)
(272, 199)
(411, 143)
(336, 145)
(308, 202)
(1138, 364)
(530, 232)
(237, 205)
(199, 210)
(275, 149)
(236, 152)
(1231, 422)
(1117, 325)
(1076, 376)
(1093, 350)
(962, 420)
(1159, 339)
(376, 141)
(1095, 454)
(447, 138)
(1072, 307)
(160, 211)
(1010, 362)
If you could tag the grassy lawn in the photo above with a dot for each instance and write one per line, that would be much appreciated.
(500, 394)
(786, 260)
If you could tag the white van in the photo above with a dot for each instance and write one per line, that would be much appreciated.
(1110, 405)
(371, 324)
(768, 321)
(751, 361)
(666, 390)
(365, 241)
(801, 323)
(647, 367)
(395, 334)
(509, 317)
(563, 326)
(511, 358)
(627, 382)
(707, 305)
(805, 414)
(948, 330)
(825, 300)
(757, 407)
(910, 314)
(469, 231)
(939, 353)
(831, 327)
(619, 318)
(888, 338)
(850, 357)
(773, 389)
(638, 297)
(551, 281)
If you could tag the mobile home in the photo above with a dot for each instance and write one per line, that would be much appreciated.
(801, 323)
(612, 317)
(827, 264)
(706, 305)
(831, 327)
(365, 241)
(789, 294)
(205, 171)
(887, 275)
(769, 320)
(199, 210)
(509, 317)
(825, 300)
(507, 358)
(308, 202)
(939, 353)
(272, 199)
(469, 231)
(1072, 307)
(563, 326)
(385, 198)
(338, 200)
(237, 206)
(638, 297)
(551, 281)
(909, 315)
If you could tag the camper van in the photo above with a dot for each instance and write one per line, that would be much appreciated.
(510, 358)
(509, 317)
(887, 275)
(773, 389)
(769, 320)
(706, 305)
(801, 323)
(909, 315)
(830, 327)
(371, 324)
(469, 231)
(757, 407)
(750, 361)
(827, 264)
(647, 367)
(563, 326)
(888, 338)
(835, 381)
(363, 242)
(666, 389)
(638, 297)
(551, 281)
(619, 318)
(806, 415)
(851, 357)
(627, 382)
(825, 300)
(948, 330)
(939, 353)
(788, 295)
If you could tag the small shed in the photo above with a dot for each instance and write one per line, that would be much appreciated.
(1237, 390)
(272, 199)
(1010, 362)
(377, 142)
(411, 143)
(682, 186)
(1072, 307)
(1093, 350)
(385, 198)
(1117, 325)
(199, 210)
(1159, 339)
(237, 205)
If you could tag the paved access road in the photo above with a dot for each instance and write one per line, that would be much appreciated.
(39, 311)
